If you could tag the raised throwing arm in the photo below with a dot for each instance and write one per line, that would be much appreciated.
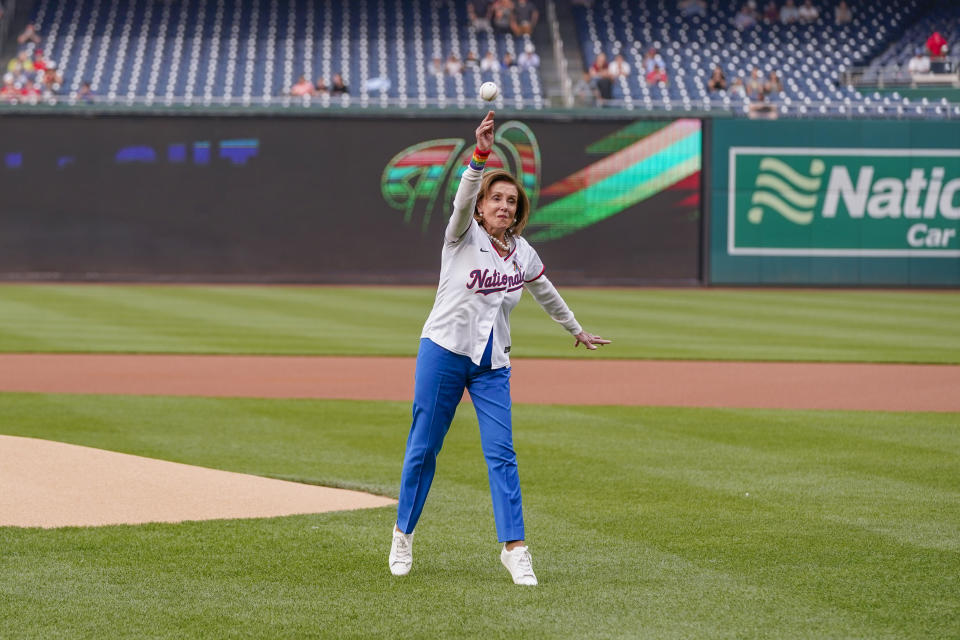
(466, 199)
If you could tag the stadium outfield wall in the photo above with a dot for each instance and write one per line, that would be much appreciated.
(362, 198)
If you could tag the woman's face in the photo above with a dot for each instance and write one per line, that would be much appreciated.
(498, 209)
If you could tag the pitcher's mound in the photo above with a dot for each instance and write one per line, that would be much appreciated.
(52, 484)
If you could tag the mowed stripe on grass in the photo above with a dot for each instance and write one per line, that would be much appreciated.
(643, 522)
(803, 325)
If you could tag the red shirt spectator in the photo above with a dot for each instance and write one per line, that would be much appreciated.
(29, 91)
(937, 45)
(659, 74)
(9, 92)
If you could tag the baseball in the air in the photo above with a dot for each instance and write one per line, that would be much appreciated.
(489, 91)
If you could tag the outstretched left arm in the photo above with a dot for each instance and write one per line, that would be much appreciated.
(549, 298)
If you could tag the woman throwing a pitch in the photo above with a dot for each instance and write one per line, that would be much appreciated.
(485, 266)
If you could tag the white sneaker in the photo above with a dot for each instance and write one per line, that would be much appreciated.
(401, 553)
(520, 565)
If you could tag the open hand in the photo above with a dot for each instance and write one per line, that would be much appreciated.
(485, 133)
(589, 340)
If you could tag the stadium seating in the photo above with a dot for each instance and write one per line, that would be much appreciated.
(252, 51)
(891, 65)
(809, 58)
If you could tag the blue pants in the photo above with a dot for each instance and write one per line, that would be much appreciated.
(440, 380)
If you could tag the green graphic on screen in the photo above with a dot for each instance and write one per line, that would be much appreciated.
(639, 161)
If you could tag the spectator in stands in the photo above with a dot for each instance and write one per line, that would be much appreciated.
(919, 63)
(489, 62)
(301, 88)
(842, 14)
(30, 92)
(21, 68)
(600, 78)
(654, 68)
(736, 88)
(762, 109)
(600, 74)
(86, 94)
(659, 74)
(604, 88)
(9, 92)
(480, 12)
(585, 92)
(754, 86)
(789, 13)
(690, 8)
(437, 66)
(52, 81)
(771, 13)
(529, 58)
(453, 67)
(502, 15)
(29, 35)
(376, 83)
(619, 68)
(744, 18)
(471, 61)
(650, 60)
(600, 66)
(937, 45)
(718, 81)
(772, 86)
(508, 61)
(40, 63)
(21, 65)
(338, 86)
(320, 87)
(808, 13)
(524, 19)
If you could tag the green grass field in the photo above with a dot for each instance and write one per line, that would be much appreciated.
(866, 326)
(639, 519)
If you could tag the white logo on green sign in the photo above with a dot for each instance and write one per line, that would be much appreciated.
(786, 191)
(844, 202)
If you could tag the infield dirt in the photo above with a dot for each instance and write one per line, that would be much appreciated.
(773, 385)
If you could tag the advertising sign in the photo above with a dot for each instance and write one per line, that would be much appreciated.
(336, 199)
(788, 201)
(833, 213)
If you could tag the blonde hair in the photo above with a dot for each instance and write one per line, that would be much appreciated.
(523, 202)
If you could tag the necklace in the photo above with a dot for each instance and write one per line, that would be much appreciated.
(503, 245)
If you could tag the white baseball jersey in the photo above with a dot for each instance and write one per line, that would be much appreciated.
(479, 287)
